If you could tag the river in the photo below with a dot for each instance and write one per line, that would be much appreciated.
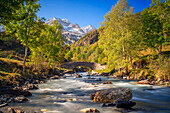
(71, 94)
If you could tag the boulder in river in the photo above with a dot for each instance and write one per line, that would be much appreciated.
(90, 110)
(112, 95)
(144, 82)
(78, 76)
(55, 77)
(107, 83)
(20, 99)
(108, 104)
(30, 86)
(125, 104)
(12, 110)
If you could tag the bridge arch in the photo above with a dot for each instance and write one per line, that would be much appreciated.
(92, 65)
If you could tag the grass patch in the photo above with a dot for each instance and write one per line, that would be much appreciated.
(103, 71)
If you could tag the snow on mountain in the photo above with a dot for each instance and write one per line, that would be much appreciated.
(88, 28)
(71, 32)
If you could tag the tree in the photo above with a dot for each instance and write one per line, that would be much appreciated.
(23, 28)
(53, 42)
(7, 8)
(117, 35)
(155, 24)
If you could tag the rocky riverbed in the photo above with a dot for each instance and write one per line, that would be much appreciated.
(71, 94)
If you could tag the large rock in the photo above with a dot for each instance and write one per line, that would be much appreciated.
(30, 87)
(112, 95)
(12, 110)
(78, 76)
(20, 99)
(90, 110)
(107, 83)
(147, 82)
(55, 77)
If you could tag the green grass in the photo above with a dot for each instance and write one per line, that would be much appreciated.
(101, 71)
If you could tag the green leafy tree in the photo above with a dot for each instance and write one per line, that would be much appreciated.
(155, 24)
(8, 7)
(23, 28)
(52, 45)
(116, 37)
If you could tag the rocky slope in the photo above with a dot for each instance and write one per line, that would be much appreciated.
(72, 32)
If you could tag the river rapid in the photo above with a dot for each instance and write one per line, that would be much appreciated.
(71, 94)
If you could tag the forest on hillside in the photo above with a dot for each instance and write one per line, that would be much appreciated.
(125, 37)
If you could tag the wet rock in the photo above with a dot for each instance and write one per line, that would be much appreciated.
(92, 95)
(78, 76)
(20, 99)
(43, 110)
(30, 86)
(125, 104)
(166, 83)
(152, 83)
(55, 77)
(12, 110)
(15, 92)
(41, 82)
(161, 83)
(35, 82)
(2, 105)
(108, 104)
(99, 79)
(73, 99)
(107, 83)
(104, 74)
(119, 76)
(144, 82)
(112, 95)
(90, 110)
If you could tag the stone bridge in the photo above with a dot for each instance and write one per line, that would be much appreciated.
(92, 65)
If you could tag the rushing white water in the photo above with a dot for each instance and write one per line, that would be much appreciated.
(72, 94)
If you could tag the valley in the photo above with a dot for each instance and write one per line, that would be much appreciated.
(56, 65)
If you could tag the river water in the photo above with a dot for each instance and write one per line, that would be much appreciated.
(71, 94)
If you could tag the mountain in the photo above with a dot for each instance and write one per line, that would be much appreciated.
(89, 39)
(88, 28)
(71, 32)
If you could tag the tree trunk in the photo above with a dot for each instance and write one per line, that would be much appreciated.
(160, 49)
(131, 60)
(25, 58)
(126, 70)
(126, 62)
(35, 61)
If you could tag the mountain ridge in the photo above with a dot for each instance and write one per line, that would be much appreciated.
(72, 32)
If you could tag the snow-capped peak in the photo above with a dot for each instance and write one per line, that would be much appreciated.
(88, 28)
(70, 31)
(65, 20)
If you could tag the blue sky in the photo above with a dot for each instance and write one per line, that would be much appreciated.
(84, 12)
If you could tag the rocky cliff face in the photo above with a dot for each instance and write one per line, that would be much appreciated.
(71, 32)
